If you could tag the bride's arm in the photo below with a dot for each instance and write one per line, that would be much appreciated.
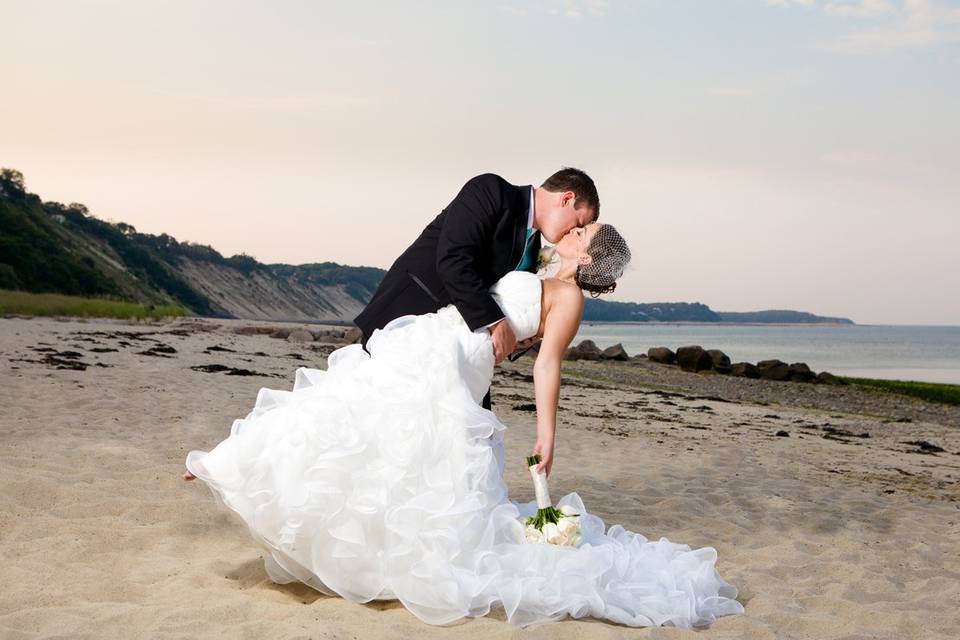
(562, 308)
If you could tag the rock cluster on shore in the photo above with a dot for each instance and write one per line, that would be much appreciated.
(696, 359)
(588, 350)
(692, 358)
(294, 334)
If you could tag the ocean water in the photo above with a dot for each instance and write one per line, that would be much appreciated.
(923, 353)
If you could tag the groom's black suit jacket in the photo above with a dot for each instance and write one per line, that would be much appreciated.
(476, 240)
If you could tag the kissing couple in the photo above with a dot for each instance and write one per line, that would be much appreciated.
(381, 477)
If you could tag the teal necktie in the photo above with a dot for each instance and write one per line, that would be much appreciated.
(529, 259)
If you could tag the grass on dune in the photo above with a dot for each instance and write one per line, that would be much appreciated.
(930, 391)
(55, 304)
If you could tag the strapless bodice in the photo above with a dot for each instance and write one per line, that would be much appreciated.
(518, 294)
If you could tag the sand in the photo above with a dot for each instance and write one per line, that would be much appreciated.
(838, 529)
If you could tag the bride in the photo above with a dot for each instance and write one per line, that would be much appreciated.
(382, 477)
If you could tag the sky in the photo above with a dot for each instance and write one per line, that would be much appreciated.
(756, 154)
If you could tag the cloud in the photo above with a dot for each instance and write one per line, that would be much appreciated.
(296, 103)
(597, 8)
(873, 162)
(353, 43)
(730, 92)
(512, 10)
(893, 24)
(914, 24)
(576, 9)
(863, 9)
(572, 9)
(783, 81)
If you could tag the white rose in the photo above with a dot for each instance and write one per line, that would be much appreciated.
(552, 533)
(568, 525)
(567, 510)
(561, 540)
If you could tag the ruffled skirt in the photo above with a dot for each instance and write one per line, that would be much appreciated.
(382, 478)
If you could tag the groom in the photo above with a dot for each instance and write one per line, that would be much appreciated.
(489, 229)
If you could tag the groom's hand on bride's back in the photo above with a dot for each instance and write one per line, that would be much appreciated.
(504, 340)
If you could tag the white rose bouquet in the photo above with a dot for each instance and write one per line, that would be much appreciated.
(550, 525)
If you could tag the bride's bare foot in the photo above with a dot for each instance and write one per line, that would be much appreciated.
(188, 476)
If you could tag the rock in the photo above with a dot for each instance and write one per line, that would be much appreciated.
(774, 370)
(282, 333)
(925, 447)
(299, 335)
(253, 331)
(783, 434)
(661, 355)
(616, 352)
(720, 360)
(766, 364)
(330, 336)
(800, 372)
(586, 350)
(230, 371)
(825, 377)
(719, 357)
(694, 358)
(354, 335)
(744, 370)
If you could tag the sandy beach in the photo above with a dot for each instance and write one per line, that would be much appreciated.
(834, 510)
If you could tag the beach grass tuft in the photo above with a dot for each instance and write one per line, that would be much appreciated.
(930, 391)
(55, 304)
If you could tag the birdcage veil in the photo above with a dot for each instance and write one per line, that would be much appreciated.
(610, 255)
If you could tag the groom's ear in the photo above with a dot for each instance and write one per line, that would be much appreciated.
(568, 197)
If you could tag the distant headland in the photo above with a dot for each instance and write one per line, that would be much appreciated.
(49, 247)
(607, 311)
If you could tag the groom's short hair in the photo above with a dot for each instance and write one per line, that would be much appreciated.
(570, 179)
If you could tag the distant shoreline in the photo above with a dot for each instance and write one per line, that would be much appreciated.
(661, 323)
(590, 323)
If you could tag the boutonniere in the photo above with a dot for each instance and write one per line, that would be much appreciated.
(545, 257)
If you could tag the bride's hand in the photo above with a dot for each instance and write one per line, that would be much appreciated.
(545, 449)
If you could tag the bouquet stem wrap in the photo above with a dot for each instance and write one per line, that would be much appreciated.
(546, 513)
(540, 487)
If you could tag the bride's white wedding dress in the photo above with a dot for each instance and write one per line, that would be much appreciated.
(382, 478)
